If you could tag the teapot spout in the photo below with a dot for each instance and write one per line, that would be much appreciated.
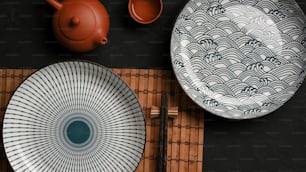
(101, 40)
(55, 4)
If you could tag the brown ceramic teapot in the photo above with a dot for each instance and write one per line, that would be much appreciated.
(80, 25)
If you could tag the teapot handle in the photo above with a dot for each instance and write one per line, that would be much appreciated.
(55, 4)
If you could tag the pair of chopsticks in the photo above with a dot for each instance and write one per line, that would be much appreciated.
(163, 134)
(163, 113)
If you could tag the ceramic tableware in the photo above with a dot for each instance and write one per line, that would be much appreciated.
(239, 59)
(145, 11)
(74, 116)
(80, 25)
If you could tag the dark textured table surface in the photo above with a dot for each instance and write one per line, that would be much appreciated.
(276, 142)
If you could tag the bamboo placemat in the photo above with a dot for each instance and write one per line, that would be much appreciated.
(185, 133)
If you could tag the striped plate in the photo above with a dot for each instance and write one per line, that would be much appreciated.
(74, 116)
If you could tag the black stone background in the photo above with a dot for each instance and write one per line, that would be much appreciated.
(276, 142)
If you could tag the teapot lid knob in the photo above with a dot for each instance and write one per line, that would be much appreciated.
(75, 20)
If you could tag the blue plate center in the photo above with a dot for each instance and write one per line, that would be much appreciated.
(78, 132)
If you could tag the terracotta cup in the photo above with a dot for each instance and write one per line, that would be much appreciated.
(145, 11)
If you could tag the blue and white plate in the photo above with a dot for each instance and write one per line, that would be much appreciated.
(239, 59)
(74, 116)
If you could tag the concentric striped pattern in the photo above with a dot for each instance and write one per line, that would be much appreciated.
(240, 59)
(40, 130)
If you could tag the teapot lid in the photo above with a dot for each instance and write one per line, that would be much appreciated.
(76, 21)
